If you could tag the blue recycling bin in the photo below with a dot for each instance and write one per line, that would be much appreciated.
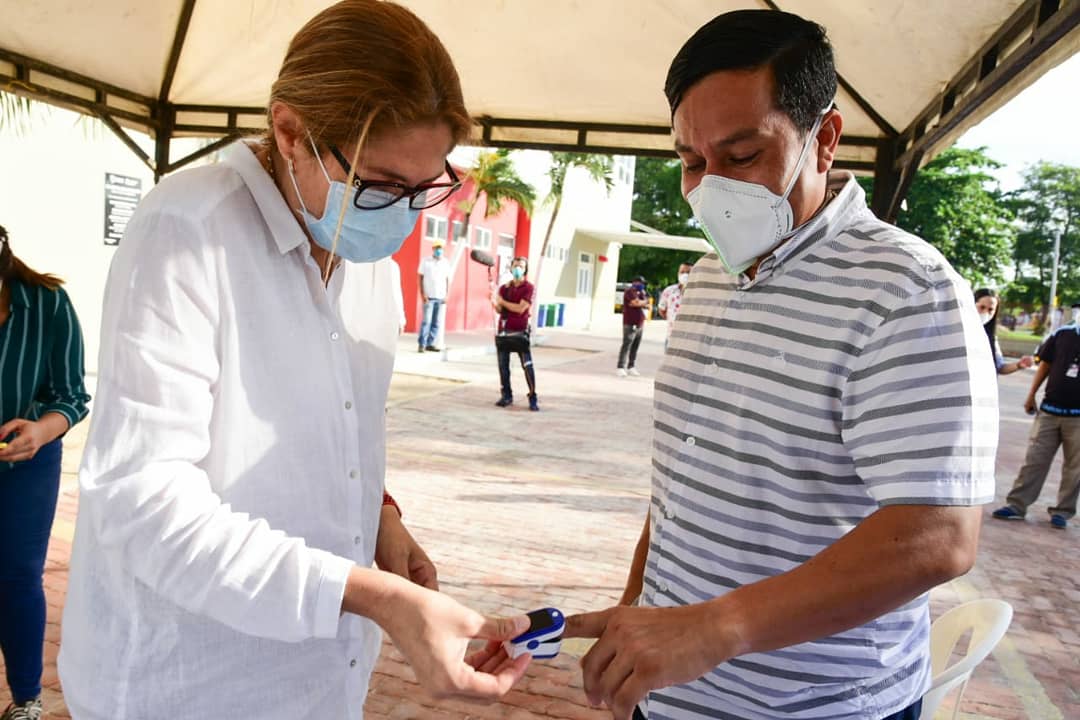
(559, 316)
(541, 316)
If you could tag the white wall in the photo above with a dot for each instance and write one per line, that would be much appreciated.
(52, 201)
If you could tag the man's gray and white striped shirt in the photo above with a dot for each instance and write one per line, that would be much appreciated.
(850, 374)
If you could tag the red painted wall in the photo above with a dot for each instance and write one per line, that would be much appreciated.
(468, 306)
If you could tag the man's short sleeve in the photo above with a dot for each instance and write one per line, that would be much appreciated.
(920, 417)
(1049, 346)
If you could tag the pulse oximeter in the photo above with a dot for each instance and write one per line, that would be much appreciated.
(542, 639)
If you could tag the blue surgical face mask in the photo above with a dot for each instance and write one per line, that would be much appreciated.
(366, 235)
(438, 252)
(517, 272)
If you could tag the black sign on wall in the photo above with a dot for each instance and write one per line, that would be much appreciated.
(122, 194)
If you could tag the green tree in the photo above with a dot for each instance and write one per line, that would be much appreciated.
(599, 169)
(955, 204)
(659, 203)
(1048, 203)
(493, 176)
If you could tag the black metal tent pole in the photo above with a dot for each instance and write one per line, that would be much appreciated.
(1032, 30)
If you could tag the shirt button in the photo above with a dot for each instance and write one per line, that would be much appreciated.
(357, 540)
(663, 587)
(334, 336)
(352, 663)
(691, 441)
(670, 513)
(348, 404)
(353, 474)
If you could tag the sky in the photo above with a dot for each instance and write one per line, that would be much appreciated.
(1041, 123)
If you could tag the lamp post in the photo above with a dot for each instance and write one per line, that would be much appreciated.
(1054, 280)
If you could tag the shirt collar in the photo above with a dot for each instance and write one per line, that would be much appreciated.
(279, 218)
(849, 196)
(20, 295)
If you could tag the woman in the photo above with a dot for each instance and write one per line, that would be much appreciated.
(42, 396)
(231, 496)
(986, 303)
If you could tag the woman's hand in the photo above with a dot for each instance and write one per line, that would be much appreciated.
(433, 632)
(398, 552)
(30, 436)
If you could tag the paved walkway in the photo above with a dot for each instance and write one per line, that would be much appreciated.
(521, 510)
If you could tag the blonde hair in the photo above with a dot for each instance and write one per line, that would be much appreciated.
(369, 58)
(362, 67)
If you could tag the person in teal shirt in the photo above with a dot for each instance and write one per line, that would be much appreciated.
(42, 396)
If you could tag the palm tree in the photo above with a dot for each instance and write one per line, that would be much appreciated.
(599, 169)
(19, 113)
(494, 176)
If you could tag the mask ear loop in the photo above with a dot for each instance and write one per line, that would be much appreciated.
(805, 151)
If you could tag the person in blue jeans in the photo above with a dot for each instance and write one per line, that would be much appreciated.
(42, 396)
(434, 283)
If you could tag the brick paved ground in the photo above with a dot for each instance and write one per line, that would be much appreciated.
(521, 510)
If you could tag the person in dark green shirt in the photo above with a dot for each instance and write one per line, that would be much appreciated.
(41, 397)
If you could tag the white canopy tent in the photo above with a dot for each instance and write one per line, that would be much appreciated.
(582, 75)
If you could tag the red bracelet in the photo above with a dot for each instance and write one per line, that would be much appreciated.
(387, 500)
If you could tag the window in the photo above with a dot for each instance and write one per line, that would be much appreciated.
(563, 254)
(585, 258)
(459, 231)
(434, 228)
(483, 238)
(507, 241)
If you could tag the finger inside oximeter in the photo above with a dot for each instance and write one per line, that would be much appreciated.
(543, 638)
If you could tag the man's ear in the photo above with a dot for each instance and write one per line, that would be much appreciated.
(828, 138)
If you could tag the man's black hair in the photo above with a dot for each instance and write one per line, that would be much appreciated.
(797, 51)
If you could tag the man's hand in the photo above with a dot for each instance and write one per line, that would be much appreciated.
(30, 436)
(1025, 362)
(1029, 404)
(398, 552)
(642, 649)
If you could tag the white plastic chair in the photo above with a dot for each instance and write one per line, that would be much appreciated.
(987, 619)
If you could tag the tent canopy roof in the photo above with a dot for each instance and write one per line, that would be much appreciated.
(541, 73)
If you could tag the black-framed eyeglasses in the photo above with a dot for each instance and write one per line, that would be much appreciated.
(378, 194)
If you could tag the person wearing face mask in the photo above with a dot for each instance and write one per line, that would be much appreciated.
(42, 395)
(671, 299)
(434, 276)
(231, 497)
(1057, 425)
(825, 419)
(635, 301)
(512, 303)
(987, 303)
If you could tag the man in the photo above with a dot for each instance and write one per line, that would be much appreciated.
(1057, 424)
(512, 303)
(825, 419)
(671, 299)
(434, 284)
(633, 318)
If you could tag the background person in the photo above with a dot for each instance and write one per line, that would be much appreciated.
(633, 313)
(42, 396)
(434, 275)
(1057, 424)
(232, 498)
(512, 303)
(671, 299)
(987, 304)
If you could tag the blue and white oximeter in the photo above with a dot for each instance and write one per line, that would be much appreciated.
(542, 639)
